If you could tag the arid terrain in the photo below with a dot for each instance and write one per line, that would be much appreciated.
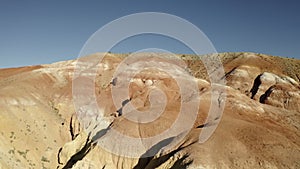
(40, 126)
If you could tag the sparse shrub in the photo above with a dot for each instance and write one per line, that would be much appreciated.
(44, 159)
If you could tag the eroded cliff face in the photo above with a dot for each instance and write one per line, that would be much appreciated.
(259, 128)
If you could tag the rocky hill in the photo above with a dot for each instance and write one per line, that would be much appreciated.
(41, 127)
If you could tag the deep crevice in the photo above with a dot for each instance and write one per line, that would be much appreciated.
(151, 162)
(202, 125)
(208, 123)
(256, 84)
(228, 73)
(120, 110)
(264, 97)
(71, 128)
(145, 159)
(101, 133)
(89, 145)
(114, 81)
(298, 77)
(182, 163)
(58, 156)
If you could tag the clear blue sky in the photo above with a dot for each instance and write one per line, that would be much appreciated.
(35, 32)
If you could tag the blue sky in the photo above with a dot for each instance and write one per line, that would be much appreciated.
(36, 32)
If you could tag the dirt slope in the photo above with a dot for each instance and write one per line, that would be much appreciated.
(259, 127)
